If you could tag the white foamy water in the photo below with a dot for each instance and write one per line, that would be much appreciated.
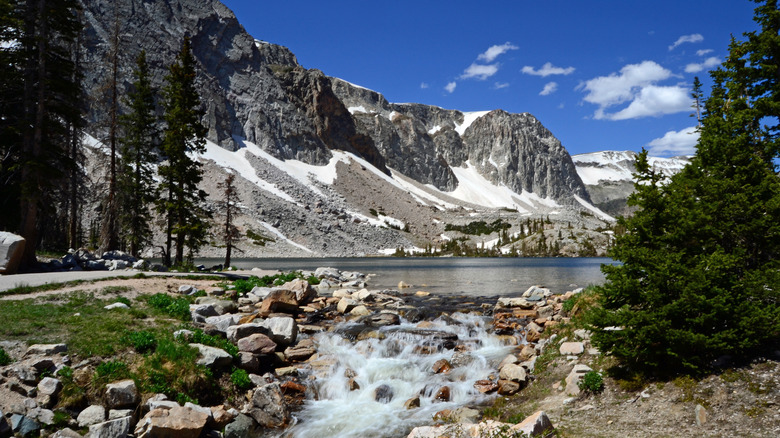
(397, 362)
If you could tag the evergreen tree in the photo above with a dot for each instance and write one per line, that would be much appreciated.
(186, 220)
(49, 107)
(109, 233)
(140, 138)
(11, 91)
(230, 233)
(700, 272)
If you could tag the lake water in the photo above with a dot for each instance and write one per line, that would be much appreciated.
(452, 275)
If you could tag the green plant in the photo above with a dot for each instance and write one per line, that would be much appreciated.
(5, 359)
(240, 379)
(175, 307)
(110, 371)
(591, 382)
(142, 341)
(173, 370)
(198, 337)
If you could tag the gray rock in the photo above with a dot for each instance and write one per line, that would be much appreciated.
(116, 306)
(122, 394)
(537, 424)
(257, 344)
(574, 377)
(268, 407)
(176, 422)
(575, 348)
(384, 394)
(115, 414)
(187, 289)
(23, 425)
(95, 265)
(240, 427)
(222, 322)
(11, 251)
(513, 372)
(213, 357)
(65, 433)
(92, 415)
(346, 305)
(283, 329)
(116, 428)
(236, 332)
(45, 416)
(46, 349)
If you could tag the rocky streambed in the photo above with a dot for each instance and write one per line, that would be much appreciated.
(343, 361)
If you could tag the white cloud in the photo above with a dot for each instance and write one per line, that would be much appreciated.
(424, 85)
(673, 143)
(708, 63)
(549, 88)
(480, 71)
(547, 70)
(635, 83)
(618, 88)
(450, 87)
(654, 101)
(495, 51)
(703, 52)
(500, 85)
(693, 38)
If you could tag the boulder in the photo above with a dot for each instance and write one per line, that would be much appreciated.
(187, 289)
(122, 394)
(179, 422)
(381, 319)
(213, 357)
(115, 414)
(507, 302)
(508, 387)
(116, 428)
(11, 251)
(49, 386)
(240, 427)
(513, 372)
(572, 348)
(222, 322)
(236, 332)
(304, 292)
(62, 433)
(383, 394)
(116, 306)
(257, 344)
(485, 386)
(268, 407)
(443, 394)
(346, 305)
(220, 417)
(536, 425)
(360, 310)
(412, 403)
(442, 366)
(23, 425)
(301, 351)
(46, 349)
(279, 301)
(92, 415)
(574, 377)
(283, 329)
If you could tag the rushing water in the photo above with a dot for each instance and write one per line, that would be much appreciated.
(397, 363)
(453, 275)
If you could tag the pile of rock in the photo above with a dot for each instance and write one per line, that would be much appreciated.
(84, 260)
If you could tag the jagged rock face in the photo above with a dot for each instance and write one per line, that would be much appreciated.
(240, 93)
(516, 150)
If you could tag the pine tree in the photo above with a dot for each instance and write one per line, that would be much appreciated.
(140, 138)
(186, 220)
(109, 233)
(50, 104)
(11, 91)
(229, 233)
(700, 273)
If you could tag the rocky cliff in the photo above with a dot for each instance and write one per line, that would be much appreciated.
(428, 166)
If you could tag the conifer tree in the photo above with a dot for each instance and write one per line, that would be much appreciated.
(49, 105)
(186, 220)
(229, 233)
(11, 91)
(139, 140)
(700, 272)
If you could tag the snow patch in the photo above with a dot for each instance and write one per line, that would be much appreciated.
(595, 210)
(281, 236)
(468, 119)
(357, 109)
(434, 130)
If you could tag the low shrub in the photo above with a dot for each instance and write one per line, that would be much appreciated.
(5, 359)
(240, 379)
(110, 371)
(178, 308)
(591, 382)
(142, 341)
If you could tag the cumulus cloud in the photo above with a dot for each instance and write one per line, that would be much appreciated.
(549, 88)
(450, 87)
(708, 64)
(547, 70)
(424, 85)
(693, 38)
(653, 101)
(494, 52)
(500, 85)
(674, 143)
(480, 71)
(703, 52)
(635, 83)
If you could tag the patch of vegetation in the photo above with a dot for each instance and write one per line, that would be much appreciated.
(173, 371)
(110, 371)
(175, 307)
(142, 341)
(198, 337)
(591, 383)
(244, 286)
(5, 359)
(478, 228)
(240, 379)
(258, 238)
(116, 290)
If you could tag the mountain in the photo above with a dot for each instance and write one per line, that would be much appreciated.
(331, 168)
(608, 176)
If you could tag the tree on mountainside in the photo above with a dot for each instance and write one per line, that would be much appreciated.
(230, 233)
(186, 221)
(700, 272)
(135, 184)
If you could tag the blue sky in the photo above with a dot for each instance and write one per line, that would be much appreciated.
(600, 74)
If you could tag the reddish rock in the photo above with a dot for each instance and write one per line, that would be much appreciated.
(442, 366)
(443, 394)
(485, 386)
(279, 300)
(508, 387)
(257, 344)
(293, 388)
